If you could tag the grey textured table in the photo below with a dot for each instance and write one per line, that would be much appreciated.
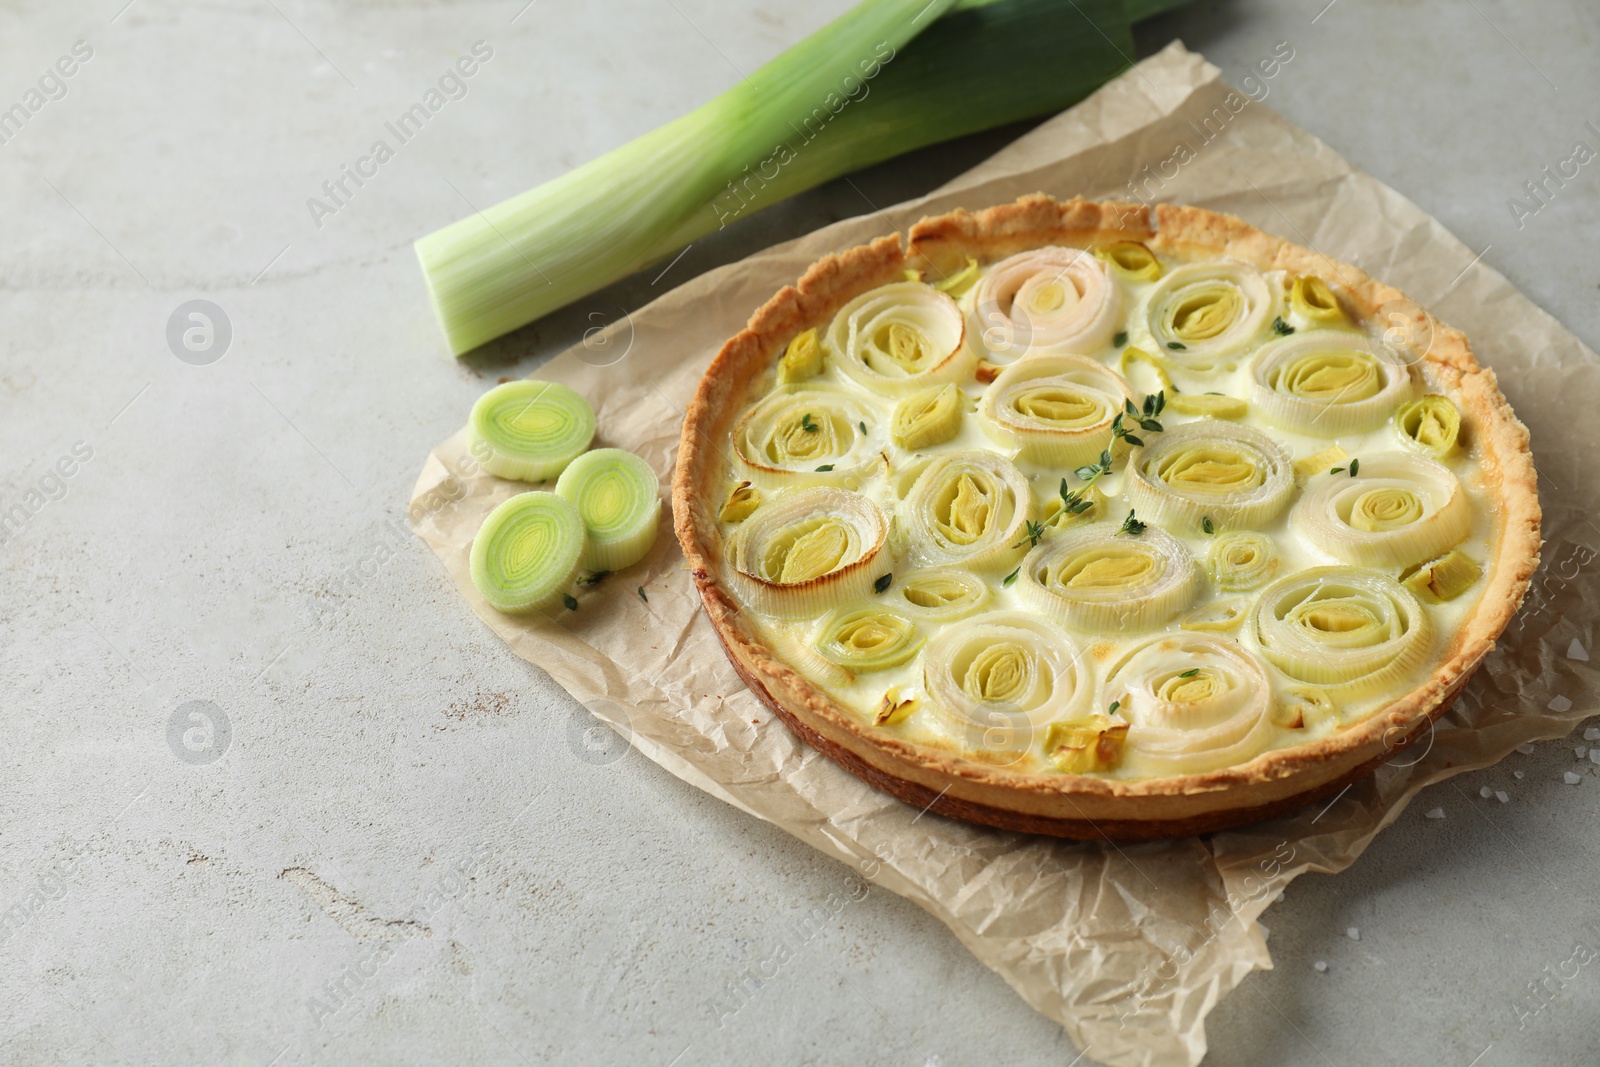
(389, 840)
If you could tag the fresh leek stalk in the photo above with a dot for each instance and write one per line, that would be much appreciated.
(856, 92)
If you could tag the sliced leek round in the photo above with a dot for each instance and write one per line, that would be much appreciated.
(968, 507)
(807, 437)
(1234, 476)
(1194, 702)
(527, 553)
(802, 359)
(616, 494)
(1396, 509)
(1049, 300)
(807, 551)
(1352, 631)
(999, 679)
(869, 638)
(1327, 384)
(1203, 315)
(529, 430)
(940, 594)
(1054, 410)
(1430, 424)
(1312, 300)
(899, 338)
(1131, 260)
(1098, 580)
(1240, 560)
(928, 417)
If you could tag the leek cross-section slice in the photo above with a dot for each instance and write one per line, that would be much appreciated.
(527, 552)
(617, 496)
(1050, 300)
(1195, 702)
(1431, 424)
(529, 430)
(1354, 632)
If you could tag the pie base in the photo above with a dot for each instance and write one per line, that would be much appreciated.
(1084, 806)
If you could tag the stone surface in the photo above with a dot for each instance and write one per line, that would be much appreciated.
(408, 846)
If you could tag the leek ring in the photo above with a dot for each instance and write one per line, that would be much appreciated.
(1194, 702)
(967, 507)
(527, 553)
(1054, 410)
(1354, 632)
(999, 679)
(1327, 384)
(807, 551)
(1402, 509)
(619, 500)
(1236, 476)
(1205, 314)
(900, 337)
(529, 430)
(1049, 300)
(1096, 580)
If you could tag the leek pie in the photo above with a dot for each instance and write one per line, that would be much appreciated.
(1092, 519)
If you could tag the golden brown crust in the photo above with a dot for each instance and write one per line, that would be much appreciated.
(1073, 805)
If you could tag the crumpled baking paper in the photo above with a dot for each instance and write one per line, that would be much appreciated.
(1126, 947)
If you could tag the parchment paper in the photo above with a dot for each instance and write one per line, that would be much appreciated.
(1127, 947)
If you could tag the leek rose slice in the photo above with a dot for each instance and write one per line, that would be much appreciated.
(1240, 560)
(1206, 314)
(1050, 300)
(1054, 410)
(1430, 424)
(527, 552)
(1097, 580)
(999, 679)
(617, 496)
(1313, 301)
(1401, 509)
(806, 437)
(940, 594)
(929, 417)
(1327, 384)
(868, 638)
(807, 551)
(529, 430)
(899, 338)
(1131, 260)
(1354, 632)
(1236, 476)
(1194, 702)
(801, 360)
(968, 507)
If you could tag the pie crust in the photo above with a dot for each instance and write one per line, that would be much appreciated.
(1086, 806)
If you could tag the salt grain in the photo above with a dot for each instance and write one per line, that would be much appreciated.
(1517, 775)
(1436, 813)
(1570, 778)
(1353, 934)
(1502, 796)
(1580, 751)
(1526, 750)
(1592, 734)
(1486, 792)
(1320, 965)
(1594, 755)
